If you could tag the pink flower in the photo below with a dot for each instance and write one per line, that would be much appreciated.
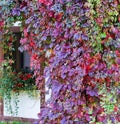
(26, 47)
(25, 33)
(23, 41)
(46, 2)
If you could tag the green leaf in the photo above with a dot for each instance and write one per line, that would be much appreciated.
(103, 35)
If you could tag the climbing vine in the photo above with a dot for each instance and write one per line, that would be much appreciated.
(75, 45)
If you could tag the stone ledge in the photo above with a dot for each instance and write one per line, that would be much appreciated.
(21, 119)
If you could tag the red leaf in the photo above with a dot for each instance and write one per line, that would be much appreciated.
(59, 16)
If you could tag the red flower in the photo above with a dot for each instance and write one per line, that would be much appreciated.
(34, 57)
(29, 76)
(21, 76)
(32, 44)
(25, 78)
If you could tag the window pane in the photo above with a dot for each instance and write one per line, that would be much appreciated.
(26, 60)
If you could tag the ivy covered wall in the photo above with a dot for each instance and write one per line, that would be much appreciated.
(83, 66)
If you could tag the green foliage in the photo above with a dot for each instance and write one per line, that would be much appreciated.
(12, 84)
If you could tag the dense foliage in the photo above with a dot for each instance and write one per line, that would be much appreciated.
(75, 45)
(13, 81)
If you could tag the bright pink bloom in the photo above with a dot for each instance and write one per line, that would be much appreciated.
(23, 41)
(46, 2)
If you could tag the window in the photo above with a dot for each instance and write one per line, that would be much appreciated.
(22, 59)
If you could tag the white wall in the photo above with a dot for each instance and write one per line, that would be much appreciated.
(28, 107)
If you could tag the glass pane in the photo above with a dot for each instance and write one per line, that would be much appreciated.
(26, 61)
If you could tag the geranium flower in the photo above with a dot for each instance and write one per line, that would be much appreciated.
(28, 76)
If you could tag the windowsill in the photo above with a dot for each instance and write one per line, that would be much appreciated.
(15, 29)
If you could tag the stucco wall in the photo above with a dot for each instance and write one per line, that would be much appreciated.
(28, 107)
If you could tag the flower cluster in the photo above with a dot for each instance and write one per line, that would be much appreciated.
(12, 84)
(83, 65)
(23, 81)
